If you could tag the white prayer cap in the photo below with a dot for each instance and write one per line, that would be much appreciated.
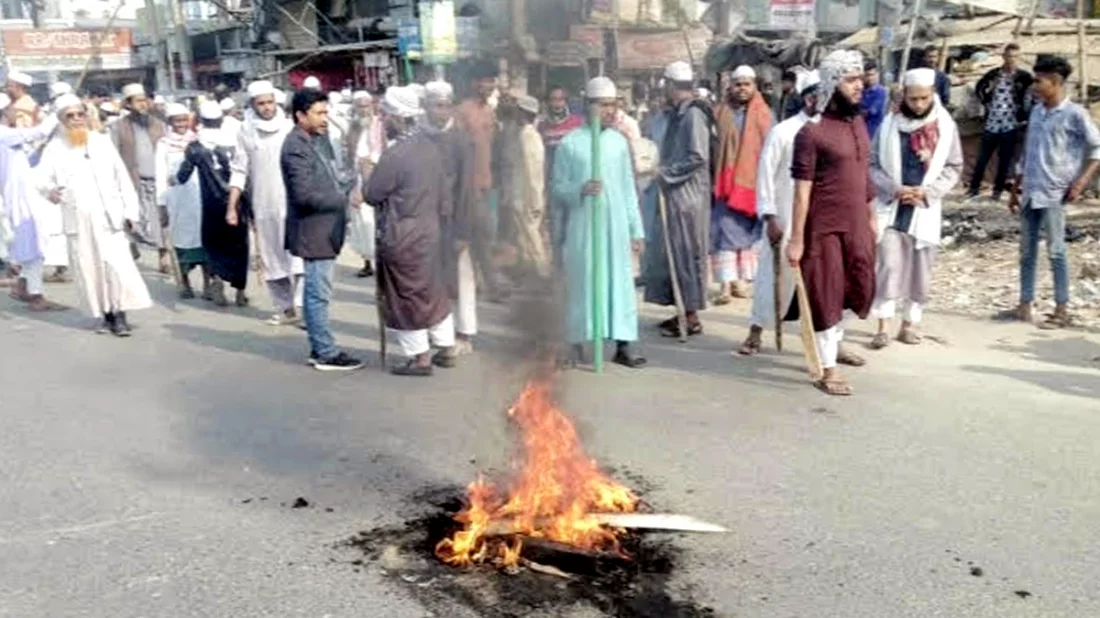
(528, 104)
(679, 71)
(133, 90)
(227, 104)
(702, 93)
(5, 101)
(259, 88)
(920, 77)
(835, 66)
(744, 72)
(159, 100)
(66, 101)
(401, 101)
(210, 110)
(334, 98)
(805, 80)
(59, 88)
(418, 89)
(600, 88)
(20, 77)
(108, 107)
(439, 90)
(280, 97)
(312, 83)
(176, 109)
(361, 94)
(346, 93)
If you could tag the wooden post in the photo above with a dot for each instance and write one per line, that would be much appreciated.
(909, 41)
(1082, 54)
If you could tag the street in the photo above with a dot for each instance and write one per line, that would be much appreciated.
(156, 476)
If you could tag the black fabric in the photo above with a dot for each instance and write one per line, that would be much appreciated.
(912, 175)
(1021, 84)
(1004, 146)
(316, 216)
(226, 245)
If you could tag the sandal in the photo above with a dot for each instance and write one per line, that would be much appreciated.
(835, 387)
(881, 340)
(1055, 321)
(1013, 315)
(909, 337)
(751, 347)
(674, 329)
(722, 299)
(846, 357)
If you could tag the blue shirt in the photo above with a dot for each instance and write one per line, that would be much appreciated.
(873, 105)
(1059, 140)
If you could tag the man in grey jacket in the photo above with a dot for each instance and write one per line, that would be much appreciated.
(317, 201)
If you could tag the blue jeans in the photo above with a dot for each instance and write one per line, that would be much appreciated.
(318, 289)
(1033, 221)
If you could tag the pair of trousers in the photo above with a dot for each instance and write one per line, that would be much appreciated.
(286, 293)
(828, 341)
(32, 273)
(1004, 146)
(415, 342)
(318, 291)
(1033, 221)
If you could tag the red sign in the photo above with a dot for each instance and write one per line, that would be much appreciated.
(654, 50)
(23, 43)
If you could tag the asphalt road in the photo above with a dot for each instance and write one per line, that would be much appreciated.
(154, 476)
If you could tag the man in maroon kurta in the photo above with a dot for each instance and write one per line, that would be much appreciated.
(833, 233)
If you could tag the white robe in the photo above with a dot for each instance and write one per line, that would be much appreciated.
(775, 196)
(184, 202)
(98, 198)
(256, 165)
(33, 222)
(361, 228)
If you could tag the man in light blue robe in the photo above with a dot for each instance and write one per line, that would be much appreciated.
(574, 193)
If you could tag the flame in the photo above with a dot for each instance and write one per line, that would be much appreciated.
(553, 496)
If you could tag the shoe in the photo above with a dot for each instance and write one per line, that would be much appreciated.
(241, 300)
(107, 325)
(340, 362)
(121, 328)
(186, 293)
(287, 318)
(134, 253)
(366, 271)
(313, 359)
(444, 359)
(624, 357)
(411, 369)
(463, 347)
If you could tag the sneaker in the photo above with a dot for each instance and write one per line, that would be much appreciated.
(120, 327)
(340, 362)
(107, 325)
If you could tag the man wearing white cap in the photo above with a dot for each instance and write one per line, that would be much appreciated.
(774, 201)
(82, 171)
(182, 203)
(834, 224)
(529, 190)
(231, 124)
(408, 189)
(685, 181)
(575, 193)
(37, 233)
(311, 83)
(364, 142)
(255, 166)
(23, 111)
(915, 161)
(136, 135)
(743, 120)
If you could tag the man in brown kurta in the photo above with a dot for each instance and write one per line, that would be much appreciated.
(409, 189)
(135, 136)
(833, 233)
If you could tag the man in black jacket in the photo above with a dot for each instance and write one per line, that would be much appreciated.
(1004, 93)
(317, 202)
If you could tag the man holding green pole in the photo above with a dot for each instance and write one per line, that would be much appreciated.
(597, 226)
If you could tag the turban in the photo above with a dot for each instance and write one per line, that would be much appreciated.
(176, 109)
(66, 101)
(439, 90)
(806, 80)
(311, 83)
(227, 104)
(59, 88)
(209, 110)
(920, 77)
(679, 71)
(159, 100)
(835, 67)
(361, 94)
(20, 77)
(133, 90)
(260, 88)
(280, 97)
(417, 89)
(401, 101)
(744, 72)
(528, 104)
(600, 88)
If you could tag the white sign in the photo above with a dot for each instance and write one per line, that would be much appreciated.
(791, 14)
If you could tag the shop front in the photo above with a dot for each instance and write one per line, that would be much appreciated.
(98, 59)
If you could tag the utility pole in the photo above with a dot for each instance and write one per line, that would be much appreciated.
(166, 75)
(183, 44)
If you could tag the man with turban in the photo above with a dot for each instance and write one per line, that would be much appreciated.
(744, 119)
(83, 172)
(255, 166)
(135, 136)
(408, 189)
(834, 225)
(915, 161)
(575, 193)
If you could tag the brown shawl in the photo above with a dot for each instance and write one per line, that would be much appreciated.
(124, 139)
(739, 154)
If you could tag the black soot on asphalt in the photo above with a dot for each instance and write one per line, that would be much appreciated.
(616, 587)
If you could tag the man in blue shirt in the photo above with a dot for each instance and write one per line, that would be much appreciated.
(875, 98)
(943, 82)
(1061, 155)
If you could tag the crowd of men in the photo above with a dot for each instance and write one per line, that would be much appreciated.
(838, 187)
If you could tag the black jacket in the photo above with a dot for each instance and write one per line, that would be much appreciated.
(1021, 82)
(316, 205)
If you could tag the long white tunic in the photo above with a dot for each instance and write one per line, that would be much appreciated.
(34, 223)
(361, 224)
(775, 196)
(256, 159)
(184, 202)
(98, 198)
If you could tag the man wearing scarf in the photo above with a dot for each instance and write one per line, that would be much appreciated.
(915, 161)
(82, 171)
(409, 189)
(774, 201)
(834, 225)
(744, 120)
(135, 136)
(181, 204)
(255, 166)
(226, 245)
(557, 123)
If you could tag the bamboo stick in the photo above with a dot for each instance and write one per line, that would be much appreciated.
(597, 246)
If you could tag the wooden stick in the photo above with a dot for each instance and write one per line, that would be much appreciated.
(777, 285)
(677, 295)
(631, 521)
(805, 317)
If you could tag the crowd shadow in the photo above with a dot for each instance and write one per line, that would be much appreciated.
(1062, 382)
(1076, 351)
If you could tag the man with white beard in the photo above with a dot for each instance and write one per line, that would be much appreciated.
(364, 144)
(182, 203)
(259, 144)
(84, 173)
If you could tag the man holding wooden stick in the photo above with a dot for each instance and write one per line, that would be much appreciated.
(834, 224)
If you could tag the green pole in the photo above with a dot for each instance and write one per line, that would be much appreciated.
(408, 71)
(598, 256)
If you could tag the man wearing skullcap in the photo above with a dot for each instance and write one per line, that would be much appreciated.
(412, 209)
(774, 201)
(574, 194)
(182, 203)
(311, 83)
(743, 120)
(255, 166)
(83, 173)
(231, 124)
(23, 110)
(364, 143)
(136, 135)
(915, 161)
(685, 181)
(528, 190)
(834, 224)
